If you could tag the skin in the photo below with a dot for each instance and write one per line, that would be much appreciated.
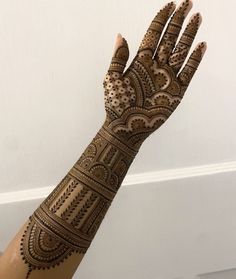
(166, 60)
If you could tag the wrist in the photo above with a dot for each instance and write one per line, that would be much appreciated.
(105, 162)
(119, 140)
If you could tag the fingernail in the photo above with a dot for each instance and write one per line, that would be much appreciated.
(119, 36)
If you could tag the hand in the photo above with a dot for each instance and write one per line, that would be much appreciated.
(139, 100)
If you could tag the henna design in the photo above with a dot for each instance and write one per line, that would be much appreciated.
(182, 49)
(153, 34)
(170, 37)
(74, 204)
(79, 217)
(120, 57)
(67, 221)
(140, 100)
(153, 94)
(192, 64)
(137, 102)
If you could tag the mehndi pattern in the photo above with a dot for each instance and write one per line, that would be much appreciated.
(137, 102)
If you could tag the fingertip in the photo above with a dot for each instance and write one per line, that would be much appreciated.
(199, 51)
(189, 7)
(119, 41)
(196, 19)
(185, 7)
(125, 42)
(203, 47)
(199, 18)
(172, 6)
(122, 47)
(169, 7)
(119, 36)
(190, 4)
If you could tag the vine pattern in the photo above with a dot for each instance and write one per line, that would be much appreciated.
(67, 221)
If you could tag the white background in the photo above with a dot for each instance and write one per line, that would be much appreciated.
(53, 58)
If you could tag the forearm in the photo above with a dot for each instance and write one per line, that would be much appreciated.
(62, 228)
(75, 209)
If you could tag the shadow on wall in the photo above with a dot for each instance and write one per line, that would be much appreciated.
(227, 274)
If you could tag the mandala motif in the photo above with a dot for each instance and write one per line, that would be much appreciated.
(137, 124)
(162, 80)
(86, 162)
(100, 172)
(91, 150)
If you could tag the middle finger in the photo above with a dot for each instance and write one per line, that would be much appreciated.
(171, 34)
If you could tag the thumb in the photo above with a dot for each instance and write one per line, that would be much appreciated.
(120, 56)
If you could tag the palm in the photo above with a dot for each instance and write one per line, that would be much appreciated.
(142, 98)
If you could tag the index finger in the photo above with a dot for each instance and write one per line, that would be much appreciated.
(153, 34)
